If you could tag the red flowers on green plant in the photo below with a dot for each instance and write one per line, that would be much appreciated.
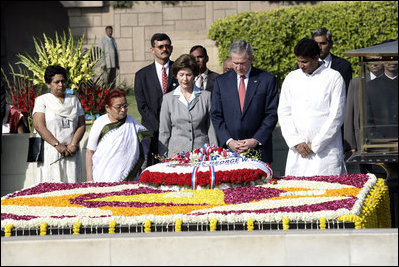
(92, 96)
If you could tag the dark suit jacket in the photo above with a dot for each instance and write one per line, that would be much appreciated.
(211, 80)
(344, 67)
(352, 117)
(259, 116)
(382, 108)
(149, 95)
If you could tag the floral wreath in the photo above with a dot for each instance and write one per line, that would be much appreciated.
(206, 179)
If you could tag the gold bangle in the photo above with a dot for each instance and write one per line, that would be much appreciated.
(73, 144)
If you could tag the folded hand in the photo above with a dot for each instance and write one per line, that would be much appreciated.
(304, 149)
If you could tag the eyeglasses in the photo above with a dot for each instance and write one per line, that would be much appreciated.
(125, 106)
(163, 46)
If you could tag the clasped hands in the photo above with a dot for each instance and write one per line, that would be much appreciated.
(66, 150)
(241, 146)
(304, 149)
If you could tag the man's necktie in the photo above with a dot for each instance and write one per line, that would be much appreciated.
(241, 92)
(200, 82)
(164, 80)
(113, 43)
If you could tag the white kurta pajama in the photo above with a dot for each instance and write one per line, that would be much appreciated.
(62, 121)
(311, 109)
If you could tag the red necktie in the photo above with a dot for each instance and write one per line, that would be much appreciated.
(241, 92)
(164, 80)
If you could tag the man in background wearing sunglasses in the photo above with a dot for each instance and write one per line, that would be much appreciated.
(150, 84)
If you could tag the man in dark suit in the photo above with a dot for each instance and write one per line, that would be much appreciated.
(382, 104)
(352, 118)
(150, 84)
(227, 65)
(206, 77)
(323, 37)
(244, 104)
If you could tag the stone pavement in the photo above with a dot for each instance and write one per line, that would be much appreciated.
(292, 247)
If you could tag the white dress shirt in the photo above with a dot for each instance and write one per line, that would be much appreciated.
(238, 87)
(182, 99)
(158, 68)
(327, 61)
(204, 80)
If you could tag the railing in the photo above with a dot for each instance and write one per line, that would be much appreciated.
(185, 227)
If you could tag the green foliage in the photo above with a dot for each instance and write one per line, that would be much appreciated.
(274, 34)
(122, 4)
(252, 154)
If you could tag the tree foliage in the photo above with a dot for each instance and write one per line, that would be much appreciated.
(274, 34)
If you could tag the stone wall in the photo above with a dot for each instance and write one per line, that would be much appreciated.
(186, 23)
(16, 173)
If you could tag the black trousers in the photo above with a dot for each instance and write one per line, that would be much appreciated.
(153, 151)
(111, 76)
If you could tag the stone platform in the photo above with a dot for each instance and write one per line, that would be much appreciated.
(291, 248)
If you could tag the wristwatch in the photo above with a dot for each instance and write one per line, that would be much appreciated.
(56, 144)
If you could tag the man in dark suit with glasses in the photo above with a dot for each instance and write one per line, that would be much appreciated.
(151, 83)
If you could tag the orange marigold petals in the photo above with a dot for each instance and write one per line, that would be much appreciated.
(166, 210)
(56, 201)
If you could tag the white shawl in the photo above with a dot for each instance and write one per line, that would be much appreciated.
(117, 152)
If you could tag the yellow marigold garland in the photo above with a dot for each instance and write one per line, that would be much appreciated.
(76, 228)
(178, 225)
(375, 206)
(286, 222)
(352, 218)
(147, 226)
(213, 224)
(250, 225)
(384, 210)
(323, 223)
(112, 225)
(43, 228)
(7, 230)
(375, 212)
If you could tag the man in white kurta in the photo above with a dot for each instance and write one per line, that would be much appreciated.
(311, 112)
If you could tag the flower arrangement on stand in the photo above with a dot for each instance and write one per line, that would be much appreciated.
(63, 52)
(21, 93)
(28, 83)
(92, 97)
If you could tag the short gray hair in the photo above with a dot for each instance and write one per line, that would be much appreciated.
(238, 47)
(323, 32)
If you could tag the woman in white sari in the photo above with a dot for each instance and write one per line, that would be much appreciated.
(114, 152)
(59, 119)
